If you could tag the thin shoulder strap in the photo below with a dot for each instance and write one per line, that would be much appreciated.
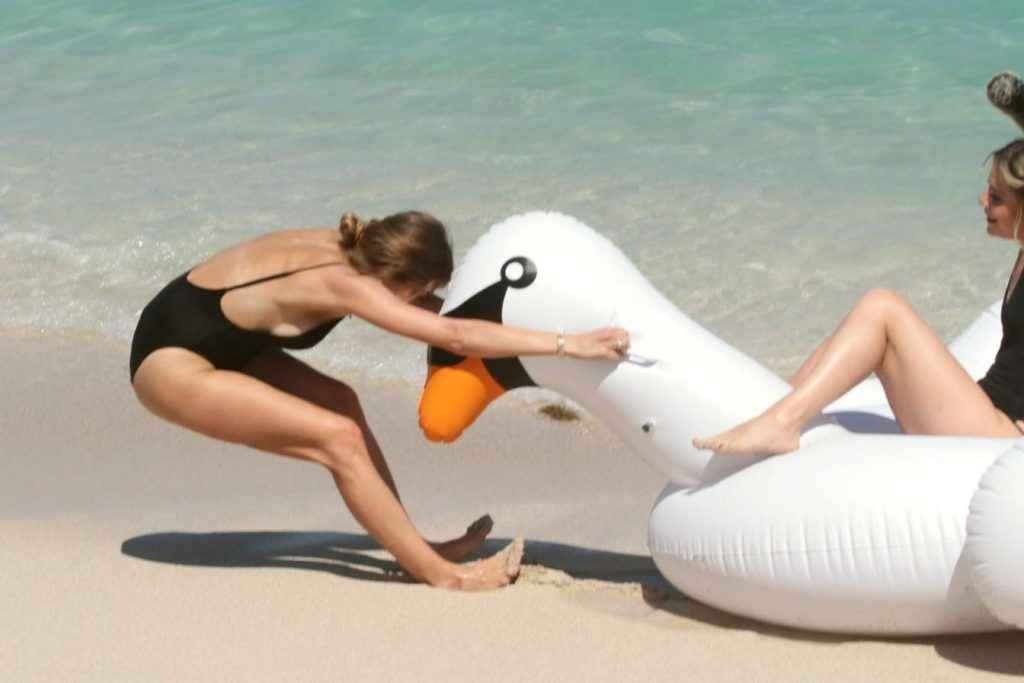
(1011, 285)
(279, 275)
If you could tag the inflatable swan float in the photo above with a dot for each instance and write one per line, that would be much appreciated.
(855, 532)
(862, 530)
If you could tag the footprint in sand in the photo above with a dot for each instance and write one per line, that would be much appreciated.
(643, 594)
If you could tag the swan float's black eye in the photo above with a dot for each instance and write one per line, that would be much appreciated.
(487, 304)
(518, 272)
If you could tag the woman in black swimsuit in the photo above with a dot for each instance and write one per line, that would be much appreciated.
(930, 393)
(207, 355)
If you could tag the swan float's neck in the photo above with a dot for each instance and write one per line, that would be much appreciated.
(547, 271)
(680, 381)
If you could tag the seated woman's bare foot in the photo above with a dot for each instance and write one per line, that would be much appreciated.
(462, 547)
(496, 571)
(764, 435)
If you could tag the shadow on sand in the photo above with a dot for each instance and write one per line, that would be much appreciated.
(349, 555)
(352, 555)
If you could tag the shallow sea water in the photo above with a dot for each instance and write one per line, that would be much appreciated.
(763, 163)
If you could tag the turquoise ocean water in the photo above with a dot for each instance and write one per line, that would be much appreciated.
(762, 162)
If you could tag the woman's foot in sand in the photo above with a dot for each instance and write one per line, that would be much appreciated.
(766, 434)
(496, 571)
(462, 547)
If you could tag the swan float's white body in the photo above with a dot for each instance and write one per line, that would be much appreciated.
(855, 532)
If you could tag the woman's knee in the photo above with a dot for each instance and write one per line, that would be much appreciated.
(343, 447)
(882, 304)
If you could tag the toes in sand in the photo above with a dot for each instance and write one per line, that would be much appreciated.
(514, 557)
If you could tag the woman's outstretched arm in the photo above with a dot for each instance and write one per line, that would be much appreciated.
(370, 300)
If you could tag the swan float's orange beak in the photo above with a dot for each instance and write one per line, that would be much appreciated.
(458, 388)
(454, 397)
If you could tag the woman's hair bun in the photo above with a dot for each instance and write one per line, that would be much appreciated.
(351, 228)
(1006, 92)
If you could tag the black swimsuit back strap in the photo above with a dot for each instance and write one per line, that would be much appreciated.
(278, 275)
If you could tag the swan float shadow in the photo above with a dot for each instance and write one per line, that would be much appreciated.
(857, 532)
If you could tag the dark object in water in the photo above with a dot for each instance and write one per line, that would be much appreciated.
(1006, 93)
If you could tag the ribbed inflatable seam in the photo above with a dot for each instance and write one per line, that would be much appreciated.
(912, 562)
(879, 539)
(808, 572)
(868, 548)
(834, 537)
(942, 547)
(845, 557)
(898, 527)
(727, 554)
(919, 537)
(915, 571)
(737, 541)
(856, 559)
(981, 576)
(926, 529)
(937, 557)
(992, 539)
(864, 528)
(942, 555)
(953, 550)
(728, 558)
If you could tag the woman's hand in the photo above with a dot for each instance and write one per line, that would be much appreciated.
(607, 342)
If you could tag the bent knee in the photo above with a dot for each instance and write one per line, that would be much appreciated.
(343, 446)
(882, 303)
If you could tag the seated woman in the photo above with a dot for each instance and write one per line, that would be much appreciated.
(928, 390)
(207, 355)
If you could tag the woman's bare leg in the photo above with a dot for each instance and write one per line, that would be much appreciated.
(812, 361)
(289, 374)
(930, 393)
(184, 388)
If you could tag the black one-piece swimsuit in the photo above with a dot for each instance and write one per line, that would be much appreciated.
(184, 315)
(1004, 381)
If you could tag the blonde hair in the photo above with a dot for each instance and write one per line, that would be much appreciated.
(1008, 160)
(405, 248)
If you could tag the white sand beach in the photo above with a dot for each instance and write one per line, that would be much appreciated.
(135, 551)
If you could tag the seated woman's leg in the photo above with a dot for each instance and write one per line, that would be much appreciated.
(811, 362)
(929, 391)
(927, 388)
(184, 388)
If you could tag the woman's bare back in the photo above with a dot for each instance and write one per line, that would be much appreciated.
(275, 252)
(284, 306)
